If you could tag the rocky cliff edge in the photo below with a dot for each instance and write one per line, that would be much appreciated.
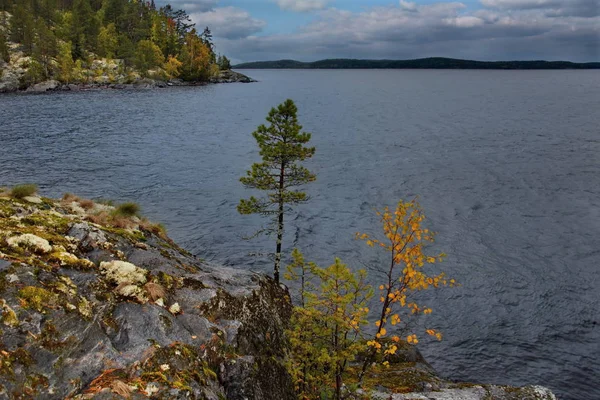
(99, 303)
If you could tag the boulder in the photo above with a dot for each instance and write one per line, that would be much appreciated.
(9, 81)
(140, 316)
(230, 76)
(44, 86)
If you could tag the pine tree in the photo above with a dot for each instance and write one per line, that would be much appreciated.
(108, 41)
(45, 46)
(4, 54)
(223, 63)
(22, 27)
(282, 148)
(206, 37)
(80, 26)
(66, 65)
(148, 56)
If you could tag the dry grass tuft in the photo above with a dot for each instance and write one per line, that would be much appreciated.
(101, 218)
(70, 197)
(157, 229)
(120, 388)
(87, 204)
(155, 291)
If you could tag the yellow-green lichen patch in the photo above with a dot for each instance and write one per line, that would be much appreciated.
(8, 360)
(37, 298)
(133, 235)
(7, 209)
(49, 220)
(65, 285)
(85, 308)
(69, 260)
(120, 272)
(9, 317)
(177, 366)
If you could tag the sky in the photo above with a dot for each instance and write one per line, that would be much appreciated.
(487, 30)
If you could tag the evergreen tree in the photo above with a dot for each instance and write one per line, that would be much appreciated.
(22, 27)
(66, 65)
(81, 24)
(126, 49)
(6, 5)
(206, 37)
(281, 148)
(148, 56)
(113, 10)
(4, 54)
(108, 41)
(45, 46)
(223, 63)
(131, 30)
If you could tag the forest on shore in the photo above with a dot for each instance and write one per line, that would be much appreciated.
(78, 41)
(421, 63)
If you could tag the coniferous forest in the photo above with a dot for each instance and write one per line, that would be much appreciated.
(90, 40)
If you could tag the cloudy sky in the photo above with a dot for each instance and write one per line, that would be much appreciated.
(309, 30)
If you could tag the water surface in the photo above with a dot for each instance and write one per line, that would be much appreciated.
(506, 165)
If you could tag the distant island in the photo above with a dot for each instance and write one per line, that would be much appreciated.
(421, 63)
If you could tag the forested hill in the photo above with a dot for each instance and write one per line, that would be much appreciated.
(422, 63)
(61, 39)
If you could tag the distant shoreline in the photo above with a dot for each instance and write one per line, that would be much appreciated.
(422, 63)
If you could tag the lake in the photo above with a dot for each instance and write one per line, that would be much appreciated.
(506, 165)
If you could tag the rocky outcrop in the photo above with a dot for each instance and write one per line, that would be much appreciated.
(13, 72)
(96, 303)
(475, 392)
(45, 86)
(92, 310)
(100, 74)
(230, 76)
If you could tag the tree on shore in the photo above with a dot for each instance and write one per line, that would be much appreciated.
(135, 31)
(332, 351)
(282, 148)
(223, 63)
(4, 54)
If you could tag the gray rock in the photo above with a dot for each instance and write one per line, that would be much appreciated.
(231, 77)
(44, 86)
(9, 81)
(85, 329)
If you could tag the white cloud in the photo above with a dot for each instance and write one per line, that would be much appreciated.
(447, 29)
(552, 8)
(302, 5)
(228, 22)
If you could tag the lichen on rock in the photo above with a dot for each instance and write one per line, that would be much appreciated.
(152, 320)
(120, 272)
(105, 331)
(30, 242)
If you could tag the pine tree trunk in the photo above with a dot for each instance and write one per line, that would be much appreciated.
(279, 226)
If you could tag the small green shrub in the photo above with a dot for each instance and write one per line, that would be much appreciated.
(21, 191)
(128, 209)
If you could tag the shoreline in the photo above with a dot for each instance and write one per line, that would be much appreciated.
(100, 269)
(228, 76)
